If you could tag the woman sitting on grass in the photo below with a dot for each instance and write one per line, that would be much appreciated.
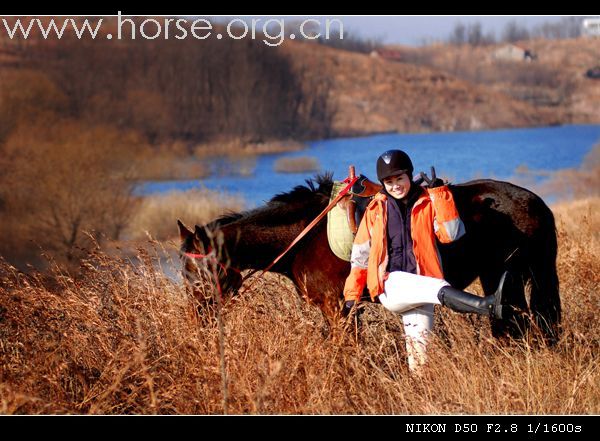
(395, 254)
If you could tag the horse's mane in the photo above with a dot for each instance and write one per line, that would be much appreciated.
(301, 192)
(319, 186)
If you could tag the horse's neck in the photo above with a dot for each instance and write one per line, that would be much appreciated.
(255, 246)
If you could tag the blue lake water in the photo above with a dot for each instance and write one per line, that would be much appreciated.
(460, 156)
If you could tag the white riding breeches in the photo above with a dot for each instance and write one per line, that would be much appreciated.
(413, 297)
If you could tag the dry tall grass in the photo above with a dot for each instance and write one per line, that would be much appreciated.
(298, 164)
(166, 166)
(157, 213)
(565, 184)
(123, 338)
(233, 147)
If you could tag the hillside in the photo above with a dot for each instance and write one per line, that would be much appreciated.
(553, 82)
(326, 92)
(370, 94)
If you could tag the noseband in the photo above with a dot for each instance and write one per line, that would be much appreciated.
(208, 256)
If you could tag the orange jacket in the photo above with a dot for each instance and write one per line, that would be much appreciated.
(433, 215)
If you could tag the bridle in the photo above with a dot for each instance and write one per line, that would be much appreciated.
(210, 255)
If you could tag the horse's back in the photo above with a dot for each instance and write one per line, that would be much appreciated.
(508, 227)
(525, 210)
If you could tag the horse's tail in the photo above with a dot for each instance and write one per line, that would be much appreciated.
(544, 301)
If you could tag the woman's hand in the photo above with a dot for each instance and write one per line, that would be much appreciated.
(434, 181)
(347, 309)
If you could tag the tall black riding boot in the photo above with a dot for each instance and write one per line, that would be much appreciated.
(461, 301)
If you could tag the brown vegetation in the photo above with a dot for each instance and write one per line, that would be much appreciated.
(60, 180)
(179, 89)
(81, 120)
(156, 213)
(554, 82)
(255, 93)
(297, 164)
(579, 183)
(237, 147)
(122, 338)
(565, 184)
(371, 94)
(473, 34)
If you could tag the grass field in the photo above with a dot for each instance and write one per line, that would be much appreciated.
(123, 338)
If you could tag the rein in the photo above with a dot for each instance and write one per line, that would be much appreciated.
(350, 181)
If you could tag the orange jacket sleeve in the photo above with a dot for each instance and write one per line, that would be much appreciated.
(359, 261)
(447, 224)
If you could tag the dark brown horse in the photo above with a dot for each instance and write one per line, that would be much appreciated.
(508, 228)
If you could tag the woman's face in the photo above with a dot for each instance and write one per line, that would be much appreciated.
(397, 186)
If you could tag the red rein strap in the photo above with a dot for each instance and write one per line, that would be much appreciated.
(350, 181)
(196, 256)
(204, 256)
(341, 194)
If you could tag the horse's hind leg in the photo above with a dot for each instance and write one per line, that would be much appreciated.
(545, 298)
(516, 324)
(326, 301)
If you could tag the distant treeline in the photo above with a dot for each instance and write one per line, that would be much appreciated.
(351, 41)
(471, 33)
(475, 35)
(190, 90)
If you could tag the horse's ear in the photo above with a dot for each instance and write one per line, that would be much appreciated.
(184, 232)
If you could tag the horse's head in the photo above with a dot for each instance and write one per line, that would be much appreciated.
(248, 240)
(202, 255)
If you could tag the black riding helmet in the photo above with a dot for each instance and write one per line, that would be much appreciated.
(394, 162)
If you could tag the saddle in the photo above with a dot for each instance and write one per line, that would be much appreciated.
(360, 195)
(344, 218)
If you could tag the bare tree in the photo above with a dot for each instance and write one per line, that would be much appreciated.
(171, 89)
(471, 34)
(352, 42)
(566, 27)
(64, 179)
(458, 36)
(513, 31)
(475, 34)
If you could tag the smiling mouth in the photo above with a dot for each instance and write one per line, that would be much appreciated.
(399, 193)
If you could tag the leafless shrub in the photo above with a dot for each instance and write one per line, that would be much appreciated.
(61, 180)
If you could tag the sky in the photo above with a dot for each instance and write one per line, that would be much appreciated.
(413, 30)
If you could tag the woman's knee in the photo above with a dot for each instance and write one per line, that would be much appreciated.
(398, 304)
